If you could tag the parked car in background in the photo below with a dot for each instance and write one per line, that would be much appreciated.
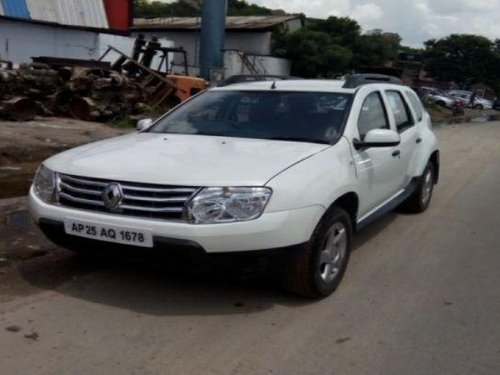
(465, 98)
(439, 97)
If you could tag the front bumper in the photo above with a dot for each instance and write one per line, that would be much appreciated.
(270, 231)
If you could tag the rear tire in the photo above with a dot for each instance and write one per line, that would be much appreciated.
(419, 201)
(317, 269)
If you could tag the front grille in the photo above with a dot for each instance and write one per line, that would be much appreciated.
(142, 200)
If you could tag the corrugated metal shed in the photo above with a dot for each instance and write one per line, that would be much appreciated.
(43, 10)
(16, 9)
(89, 13)
(232, 23)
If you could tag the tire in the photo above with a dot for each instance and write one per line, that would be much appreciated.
(419, 201)
(441, 103)
(314, 272)
(478, 106)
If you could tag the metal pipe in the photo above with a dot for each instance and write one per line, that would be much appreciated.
(213, 28)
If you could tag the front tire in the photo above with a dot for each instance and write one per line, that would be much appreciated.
(316, 271)
(419, 201)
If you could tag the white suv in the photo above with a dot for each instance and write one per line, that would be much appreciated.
(292, 167)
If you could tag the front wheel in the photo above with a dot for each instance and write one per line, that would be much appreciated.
(317, 270)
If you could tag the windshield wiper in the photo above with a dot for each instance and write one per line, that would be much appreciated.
(299, 139)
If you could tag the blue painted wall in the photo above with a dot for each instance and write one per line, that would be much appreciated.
(16, 8)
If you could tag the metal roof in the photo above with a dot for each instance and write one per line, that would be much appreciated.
(43, 10)
(16, 9)
(232, 22)
(88, 13)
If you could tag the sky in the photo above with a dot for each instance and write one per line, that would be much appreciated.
(415, 20)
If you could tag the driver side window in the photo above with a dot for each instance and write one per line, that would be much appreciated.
(373, 115)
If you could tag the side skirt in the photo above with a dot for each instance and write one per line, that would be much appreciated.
(389, 206)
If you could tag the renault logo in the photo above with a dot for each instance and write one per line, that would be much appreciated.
(112, 196)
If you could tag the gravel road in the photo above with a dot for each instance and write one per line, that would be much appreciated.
(421, 296)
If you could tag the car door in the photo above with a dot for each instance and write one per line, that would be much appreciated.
(376, 167)
(404, 122)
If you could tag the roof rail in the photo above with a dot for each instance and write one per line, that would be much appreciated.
(357, 80)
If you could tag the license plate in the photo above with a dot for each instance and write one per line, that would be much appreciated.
(109, 233)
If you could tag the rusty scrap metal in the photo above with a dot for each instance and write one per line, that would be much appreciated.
(18, 108)
(86, 89)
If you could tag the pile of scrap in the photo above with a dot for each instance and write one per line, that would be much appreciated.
(14, 88)
(92, 90)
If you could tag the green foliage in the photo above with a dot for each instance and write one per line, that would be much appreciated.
(343, 31)
(151, 9)
(242, 8)
(375, 48)
(314, 53)
(463, 58)
(336, 46)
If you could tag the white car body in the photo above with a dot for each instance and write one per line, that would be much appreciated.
(306, 178)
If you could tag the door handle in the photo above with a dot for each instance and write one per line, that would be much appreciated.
(396, 153)
(419, 140)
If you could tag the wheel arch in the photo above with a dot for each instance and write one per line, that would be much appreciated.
(349, 202)
(434, 159)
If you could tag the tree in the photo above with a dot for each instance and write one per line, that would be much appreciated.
(242, 8)
(344, 31)
(314, 54)
(463, 58)
(150, 9)
(376, 48)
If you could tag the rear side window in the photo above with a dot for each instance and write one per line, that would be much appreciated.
(400, 110)
(373, 115)
(416, 104)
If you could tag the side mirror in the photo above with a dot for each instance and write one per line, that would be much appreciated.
(378, 138)
(144, 124)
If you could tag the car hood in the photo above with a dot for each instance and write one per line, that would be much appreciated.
(175, 159)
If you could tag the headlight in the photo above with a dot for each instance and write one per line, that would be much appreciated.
(228, 204)
(44, 184)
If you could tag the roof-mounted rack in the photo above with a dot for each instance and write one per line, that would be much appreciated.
(358, 80)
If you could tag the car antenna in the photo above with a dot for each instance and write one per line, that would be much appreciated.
(273, 86)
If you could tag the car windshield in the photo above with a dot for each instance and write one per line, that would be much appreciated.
(289, 116)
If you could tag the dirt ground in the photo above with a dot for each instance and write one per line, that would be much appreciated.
(24, 145)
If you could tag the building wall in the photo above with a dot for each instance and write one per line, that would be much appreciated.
(19, 41)
(294, 25)
(258, 43)
(234, 64)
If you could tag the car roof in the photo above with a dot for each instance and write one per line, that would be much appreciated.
(309, 85)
